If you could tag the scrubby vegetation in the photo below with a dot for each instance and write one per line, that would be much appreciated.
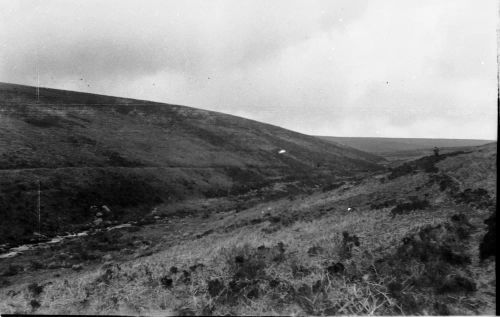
(478, 198)
(426, 164)
(66, 202)
(445, 182)
(414, 204)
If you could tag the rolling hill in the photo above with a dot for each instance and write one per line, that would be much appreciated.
(127, 154)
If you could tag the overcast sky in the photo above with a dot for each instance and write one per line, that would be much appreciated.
(337, 67)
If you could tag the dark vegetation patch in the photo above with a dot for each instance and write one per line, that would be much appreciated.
(438, 252)
(287, 218)
(205, 233)
(349, 242)
(66, 201)
(426, 164)
(166, 282)
(80, 140)
(45, 121)
(477, 198)
(315, 250)
(383, 204)
(414, 204)
(445, 182)
(116, 159)
(335, 268)
(35, 304)
(248, 277)
(35, 290)
(329, 187)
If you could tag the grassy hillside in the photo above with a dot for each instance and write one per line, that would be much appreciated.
(385, 146)
(130, 155)
(412, 244)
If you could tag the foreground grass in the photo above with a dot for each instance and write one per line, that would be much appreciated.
(290, 271)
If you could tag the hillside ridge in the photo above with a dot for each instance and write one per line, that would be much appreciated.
(132, 155)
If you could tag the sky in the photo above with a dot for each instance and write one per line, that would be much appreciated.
(379, 68)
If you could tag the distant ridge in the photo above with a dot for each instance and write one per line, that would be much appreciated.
(378, 145)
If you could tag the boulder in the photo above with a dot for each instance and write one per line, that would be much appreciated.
(77, 267)
(107, 257)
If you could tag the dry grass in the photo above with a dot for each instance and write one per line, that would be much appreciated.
(135, 288)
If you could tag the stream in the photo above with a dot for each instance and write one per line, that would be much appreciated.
(12, 252)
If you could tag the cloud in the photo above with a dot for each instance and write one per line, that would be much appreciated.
(387, 68)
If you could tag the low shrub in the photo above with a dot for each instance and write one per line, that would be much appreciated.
(445, 182)
(348, 243)
(429, 260)
(166, 282)
(478, 198)
(34, 289)
(315, 250)
(454, 283)
(405, 207)
(215, 287)
(246, 268)
(35, 304)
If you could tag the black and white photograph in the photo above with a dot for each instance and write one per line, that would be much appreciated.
(248, 157)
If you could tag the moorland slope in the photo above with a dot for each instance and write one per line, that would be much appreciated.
(413, 240)
(130, 155)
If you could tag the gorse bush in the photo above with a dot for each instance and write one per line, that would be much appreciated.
(430, 260)
(477, 198)
(426, 164)
(415, 204)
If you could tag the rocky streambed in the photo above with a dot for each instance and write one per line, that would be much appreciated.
(7, 251)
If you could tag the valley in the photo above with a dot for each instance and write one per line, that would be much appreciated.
(156, 209)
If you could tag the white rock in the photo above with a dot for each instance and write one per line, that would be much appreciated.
(77, 267)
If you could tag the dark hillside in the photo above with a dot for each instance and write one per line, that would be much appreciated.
(130, 155)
